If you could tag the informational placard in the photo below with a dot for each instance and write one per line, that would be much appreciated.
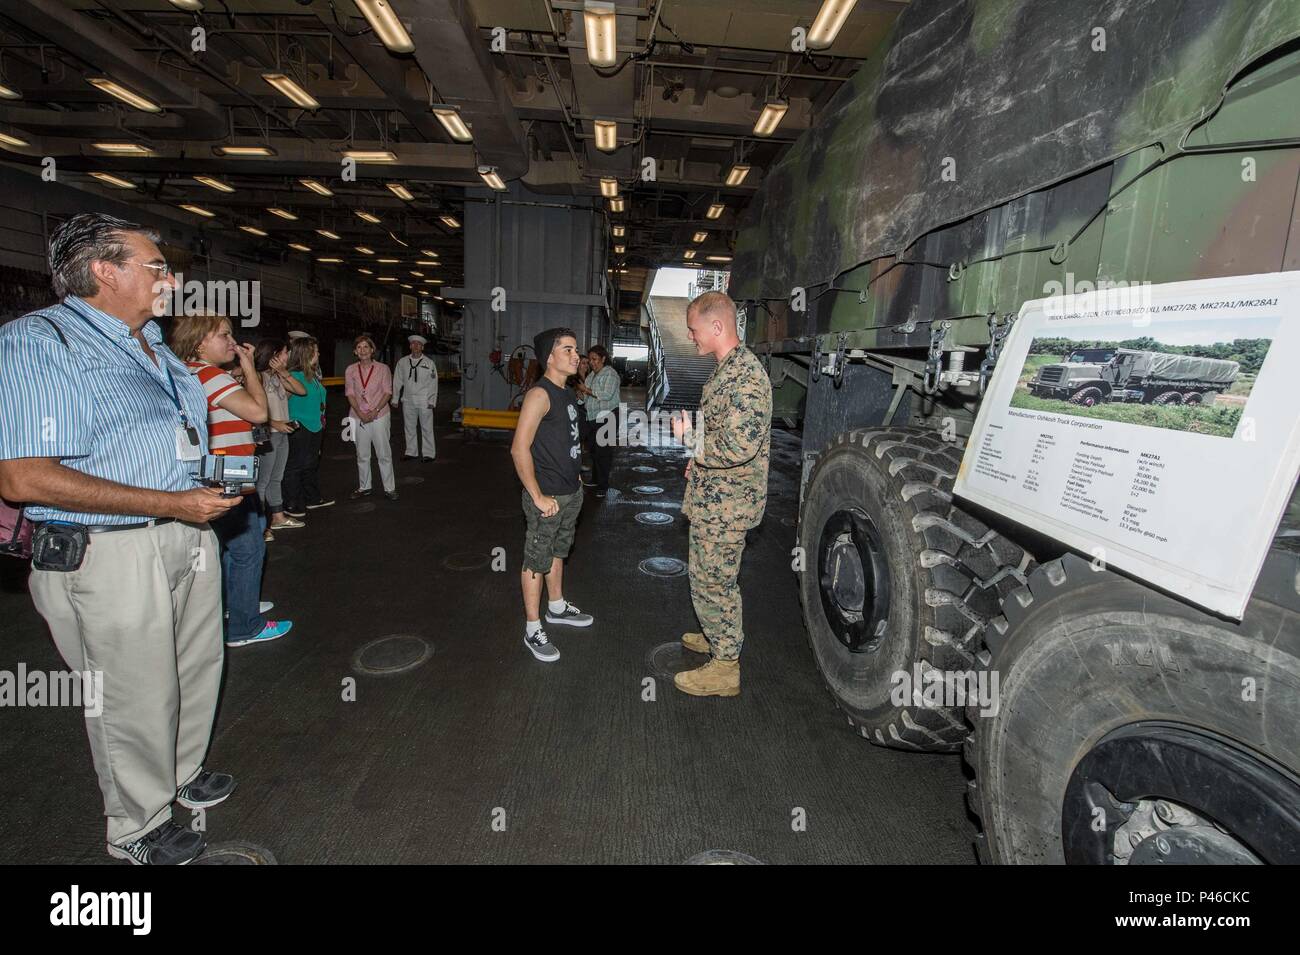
(1155, 428)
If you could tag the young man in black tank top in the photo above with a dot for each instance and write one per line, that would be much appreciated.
(547, 452)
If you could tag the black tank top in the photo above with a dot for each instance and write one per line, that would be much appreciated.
(557, 451)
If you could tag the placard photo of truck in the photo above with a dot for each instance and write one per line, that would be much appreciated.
(1193, 386)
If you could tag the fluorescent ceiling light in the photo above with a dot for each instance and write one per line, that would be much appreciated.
(282, 213)
(737, 174)
(367, 216)
(112, 180)
(365, 271)
(299, 246)
(114, 88)
(319, 188)
(399, 190)
(292, 90)
(329, 260)
(432, 262)
(8, 92)
(620, 249)
(216, 184)
(424, 292)
(715, 211)
(434, 281)
(616, 205)
(489, 175)
(688, 254)
(599, 23)
(370, 155)
(773, 110)
(383, 20)
(189, 6)
(404, 285)
(253, 230)
(699, 237)
(451, 222)
(609, 188)
(830, 18)
(429, 252)
(388, 261)
(365, 251)
(453, 124)
(246, 152)
(619, 230)
(387, 278)
(327, 233)
(418, 275)
(198, 211)
(122, 149)
(717, 258)
(606, 135)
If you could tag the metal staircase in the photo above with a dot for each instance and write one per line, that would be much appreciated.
(677, 373)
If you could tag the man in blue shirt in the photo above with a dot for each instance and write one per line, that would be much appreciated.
(102, 428)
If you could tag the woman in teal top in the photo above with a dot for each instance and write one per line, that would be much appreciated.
(301, 484)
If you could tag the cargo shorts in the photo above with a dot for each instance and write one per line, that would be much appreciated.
(550, 537)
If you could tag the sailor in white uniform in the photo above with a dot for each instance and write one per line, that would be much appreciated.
(415, 385)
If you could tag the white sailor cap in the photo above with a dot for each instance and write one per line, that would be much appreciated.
(298, 334)
(417, 338)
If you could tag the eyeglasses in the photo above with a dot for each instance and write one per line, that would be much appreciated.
(164, 270)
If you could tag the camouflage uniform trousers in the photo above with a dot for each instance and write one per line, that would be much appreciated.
(714, 565)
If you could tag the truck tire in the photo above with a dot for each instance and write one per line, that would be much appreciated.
(1194, 398)
(896, 580)
(1131, 728)
(1168, 398)
(1088, 396)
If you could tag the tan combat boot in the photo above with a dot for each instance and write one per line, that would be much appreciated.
(696, 642)
(715, 678)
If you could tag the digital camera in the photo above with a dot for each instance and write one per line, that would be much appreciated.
(230, 472)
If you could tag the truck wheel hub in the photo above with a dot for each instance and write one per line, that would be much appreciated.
(853, 578)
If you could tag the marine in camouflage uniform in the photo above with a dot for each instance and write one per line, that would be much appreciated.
(726, 495)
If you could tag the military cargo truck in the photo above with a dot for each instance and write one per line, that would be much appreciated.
(879, 268)
(1144, 377)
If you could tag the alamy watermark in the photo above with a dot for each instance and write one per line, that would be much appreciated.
(638, 428)
(1101, 296)
(931, 689)
(232, 299)
(80, 688)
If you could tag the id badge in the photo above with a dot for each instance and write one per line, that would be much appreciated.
(187, 444)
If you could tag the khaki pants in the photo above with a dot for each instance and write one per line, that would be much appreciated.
(145, 610)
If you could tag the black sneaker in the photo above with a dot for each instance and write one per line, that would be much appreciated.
(301, 513)
(312, 507)
(169, 844)
(359, 492)
(206, 790)
(391, 495)
(541, 646)
(570, 615)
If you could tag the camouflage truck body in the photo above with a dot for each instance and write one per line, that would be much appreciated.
(1142, 377)
(929, 204)
(995, 152)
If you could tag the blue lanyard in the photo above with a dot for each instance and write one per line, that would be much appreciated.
(173, 394)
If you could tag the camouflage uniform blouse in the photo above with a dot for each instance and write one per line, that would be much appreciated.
(728, 482)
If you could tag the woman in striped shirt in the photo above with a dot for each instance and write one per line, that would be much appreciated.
(205, 343)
